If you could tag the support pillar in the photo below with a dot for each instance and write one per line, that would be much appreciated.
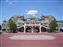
(32, 29)
(24, 28)
(58, 29)
(40, 28)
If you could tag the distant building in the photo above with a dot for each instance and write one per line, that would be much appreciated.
(5, 25)
(60, 25)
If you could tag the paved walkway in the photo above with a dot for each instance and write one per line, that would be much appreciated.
(6, 42)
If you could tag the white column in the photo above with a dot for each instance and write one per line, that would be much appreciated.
(40, 28)
(32, 30)
(24, 27)
(58, 29)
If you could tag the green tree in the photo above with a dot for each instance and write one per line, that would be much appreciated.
(12, 26)
(53, 24)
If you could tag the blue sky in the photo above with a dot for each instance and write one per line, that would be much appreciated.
(9, 8)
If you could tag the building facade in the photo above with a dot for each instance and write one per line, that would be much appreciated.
(31, 24)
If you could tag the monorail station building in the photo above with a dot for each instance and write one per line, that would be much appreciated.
(30, 25)
(33, 25)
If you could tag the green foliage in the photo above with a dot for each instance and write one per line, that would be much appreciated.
(12, 26)
(53, 24)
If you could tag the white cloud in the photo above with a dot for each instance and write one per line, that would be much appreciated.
(32, 12)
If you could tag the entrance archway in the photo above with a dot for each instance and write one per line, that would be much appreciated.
(43, 29)
(36, 29)
(32, 29)
(28, 29)
(21, 29)
(3, 29)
